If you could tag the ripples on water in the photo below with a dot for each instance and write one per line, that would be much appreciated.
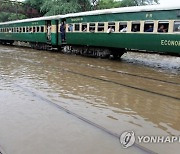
(113, 106)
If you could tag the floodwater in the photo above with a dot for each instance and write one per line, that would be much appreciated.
(140, 93)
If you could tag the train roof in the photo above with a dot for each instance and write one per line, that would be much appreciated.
(33, 19)
(126, 10)
(99, 12)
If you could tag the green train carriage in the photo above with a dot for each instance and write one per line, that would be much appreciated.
(98, 22)
(33, 31)
(95, 40)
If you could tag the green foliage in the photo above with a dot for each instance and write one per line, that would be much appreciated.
(10, 16)
(126, 3)
(54, 7)
(146, 2)
(36, 4)
(138, 2)
(107, 4)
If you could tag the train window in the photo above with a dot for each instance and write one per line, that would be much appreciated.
(70, 28)
(177, 26)
(27, 29)
(10, 30)
(148, 26)
(123, 26)
(84, 27)
(136, 27)
(100, 27)
(38, 29)
(20, 30)
(111, 25)
(163, 26)
(30, 30)
(92, 27)
(24, 29)
(42, 29)
(34, 29)
(77, 27)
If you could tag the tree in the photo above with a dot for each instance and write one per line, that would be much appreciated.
(54, 7)
(35, 4)
(107, 4)
(10, 16)
(125, 3)
(146, 2)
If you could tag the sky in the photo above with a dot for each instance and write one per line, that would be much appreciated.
(170, 2)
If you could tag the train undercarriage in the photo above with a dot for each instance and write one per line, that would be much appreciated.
(95, 52)
(88, 51)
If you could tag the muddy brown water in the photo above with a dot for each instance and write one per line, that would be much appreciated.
(140, 93)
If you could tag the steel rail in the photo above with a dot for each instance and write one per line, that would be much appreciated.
(81, 118)
(124, 85)
(135, 75)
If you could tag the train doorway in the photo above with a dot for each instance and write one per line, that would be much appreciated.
(63, 31)
(49, 29)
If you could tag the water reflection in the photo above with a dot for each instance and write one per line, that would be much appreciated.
(113, 106)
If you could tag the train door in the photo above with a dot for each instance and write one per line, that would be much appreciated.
(62, 31)
(57, 32)
(49, 28)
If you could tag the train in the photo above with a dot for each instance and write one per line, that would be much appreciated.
(101, 33)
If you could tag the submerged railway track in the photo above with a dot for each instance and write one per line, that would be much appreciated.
(109, 81)
(177, 84)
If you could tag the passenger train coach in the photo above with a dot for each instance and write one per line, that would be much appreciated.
(102, 33)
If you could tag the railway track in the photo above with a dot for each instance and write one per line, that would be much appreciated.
(142, 148)
(99, 79)
(126, 73)
(115, 82)
(119, 72)
(124, 85)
